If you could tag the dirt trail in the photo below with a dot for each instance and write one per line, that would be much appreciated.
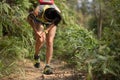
(30, 73)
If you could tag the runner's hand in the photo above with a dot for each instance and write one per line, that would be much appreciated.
(38, 34)
(43, 36)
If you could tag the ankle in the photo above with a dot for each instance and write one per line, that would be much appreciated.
(36, 57)
(47, 65)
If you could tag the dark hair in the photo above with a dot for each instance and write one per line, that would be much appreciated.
(52, 15)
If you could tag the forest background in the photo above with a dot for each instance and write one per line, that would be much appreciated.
(88, 37)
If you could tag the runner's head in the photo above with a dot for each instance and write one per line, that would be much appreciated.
(52, 15)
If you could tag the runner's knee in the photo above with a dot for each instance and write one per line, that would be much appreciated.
(50, 43)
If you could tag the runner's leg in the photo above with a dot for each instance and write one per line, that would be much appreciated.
(49, 43)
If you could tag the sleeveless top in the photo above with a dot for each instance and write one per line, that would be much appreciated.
(41, 12)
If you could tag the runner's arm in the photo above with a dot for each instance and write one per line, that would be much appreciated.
(50, 27)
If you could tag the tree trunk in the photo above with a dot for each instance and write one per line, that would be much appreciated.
(98, 16)
(100, 21)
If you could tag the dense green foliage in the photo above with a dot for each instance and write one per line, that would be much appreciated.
(109, 48)
(73, 43)
(15, 35)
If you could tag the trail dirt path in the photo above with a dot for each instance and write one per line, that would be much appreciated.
(28, 72)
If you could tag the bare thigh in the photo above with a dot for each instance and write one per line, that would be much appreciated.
(51, 34)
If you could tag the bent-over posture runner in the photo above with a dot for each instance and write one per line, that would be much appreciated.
(44, 20)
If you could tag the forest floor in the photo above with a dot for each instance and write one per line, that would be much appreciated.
(61, 72)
